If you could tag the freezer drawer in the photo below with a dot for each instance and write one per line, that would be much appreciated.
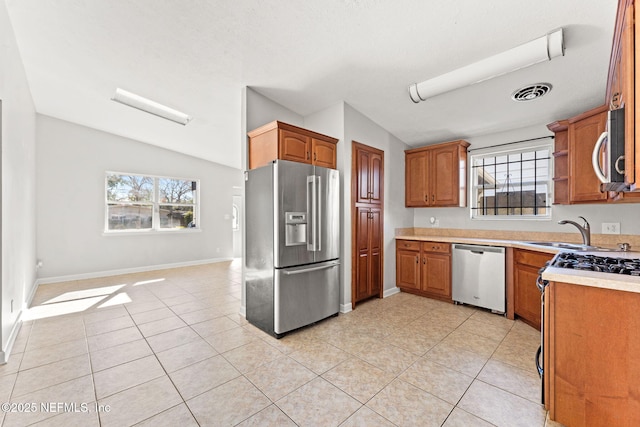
(478, 276)
(304, 295)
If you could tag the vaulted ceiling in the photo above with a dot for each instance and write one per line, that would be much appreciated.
(196, 56)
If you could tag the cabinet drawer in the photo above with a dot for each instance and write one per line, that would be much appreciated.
(442, 248)
(410, 245)
(533, 259)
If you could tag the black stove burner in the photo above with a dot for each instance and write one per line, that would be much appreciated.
(603, 264)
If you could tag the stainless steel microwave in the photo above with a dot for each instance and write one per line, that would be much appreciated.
(608, 153)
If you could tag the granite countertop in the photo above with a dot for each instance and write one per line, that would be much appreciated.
(553, 274)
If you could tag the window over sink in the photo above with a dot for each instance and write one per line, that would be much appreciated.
(511, 182)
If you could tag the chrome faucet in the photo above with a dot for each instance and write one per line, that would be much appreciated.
(584, 229)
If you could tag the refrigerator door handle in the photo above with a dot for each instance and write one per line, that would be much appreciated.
(311, 212)
(307, 270)
(318, 220)
(313, 209)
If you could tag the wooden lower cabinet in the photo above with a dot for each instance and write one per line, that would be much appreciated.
(526, 296)
(369, 253)
(424, 268)
(408, 266)
(592, 355)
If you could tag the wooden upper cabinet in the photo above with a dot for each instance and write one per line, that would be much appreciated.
(369, 167)
(621, 88)
(584, 131)
(445, 191)
(277, 140)
(436, 175)
(560, 162)
(416, 194)
(294, 146)
(323, 153)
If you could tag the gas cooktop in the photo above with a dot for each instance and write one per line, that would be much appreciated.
(603, 264)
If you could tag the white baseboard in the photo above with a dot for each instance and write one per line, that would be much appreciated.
(243, 311)
(93, 275)
(6, 352)
(390, 292)
(345, 308)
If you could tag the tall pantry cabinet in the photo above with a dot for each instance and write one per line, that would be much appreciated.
(367, 196)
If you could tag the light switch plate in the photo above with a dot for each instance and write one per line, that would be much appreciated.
(610, 228)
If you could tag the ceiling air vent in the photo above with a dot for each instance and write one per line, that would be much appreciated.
(531, 92)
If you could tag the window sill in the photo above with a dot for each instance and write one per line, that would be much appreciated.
(151, 232)
(510, 218)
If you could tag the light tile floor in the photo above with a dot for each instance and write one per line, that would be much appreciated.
(169, 348)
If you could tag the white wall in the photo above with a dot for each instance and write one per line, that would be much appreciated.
(625, 214)
(18, 184)
(71, 164)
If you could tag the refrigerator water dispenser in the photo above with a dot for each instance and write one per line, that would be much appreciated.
(296, 228)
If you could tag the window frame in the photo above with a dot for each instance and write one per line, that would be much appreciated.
(519, 148)
(155, 204)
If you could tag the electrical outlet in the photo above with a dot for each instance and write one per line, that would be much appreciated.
(610, 228)
(436, 223)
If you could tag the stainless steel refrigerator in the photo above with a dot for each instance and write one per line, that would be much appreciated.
(292, 237)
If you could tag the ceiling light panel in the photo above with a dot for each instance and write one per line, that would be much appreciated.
(151, 107)
(541, 49)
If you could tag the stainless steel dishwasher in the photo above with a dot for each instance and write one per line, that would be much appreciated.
(478, 276)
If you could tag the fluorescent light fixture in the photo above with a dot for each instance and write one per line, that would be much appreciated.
(151, 107)
(538, 50)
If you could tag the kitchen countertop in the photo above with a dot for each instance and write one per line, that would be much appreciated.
(552, 274)
(486, 242)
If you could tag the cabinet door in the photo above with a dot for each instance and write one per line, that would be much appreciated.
(375, 245)
(584, 185)
(526, 295)
(627, 78)
(416, 194)
(324, 153)
(408, 269)
(363, 172)
(444, 177)
(363, 253)
(369, 167)
(436, 274)
(294, 147)
(375, 178)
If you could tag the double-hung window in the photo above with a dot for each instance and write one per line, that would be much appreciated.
(512, 183)
(143, 202)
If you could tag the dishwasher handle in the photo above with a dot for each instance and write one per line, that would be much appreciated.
(479, 250)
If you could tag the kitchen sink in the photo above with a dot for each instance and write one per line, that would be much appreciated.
(571, 246)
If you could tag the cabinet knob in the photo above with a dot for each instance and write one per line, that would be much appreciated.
(417, 259)
(315, 157)
(424, 260)
(307, 155)
(433, 198)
